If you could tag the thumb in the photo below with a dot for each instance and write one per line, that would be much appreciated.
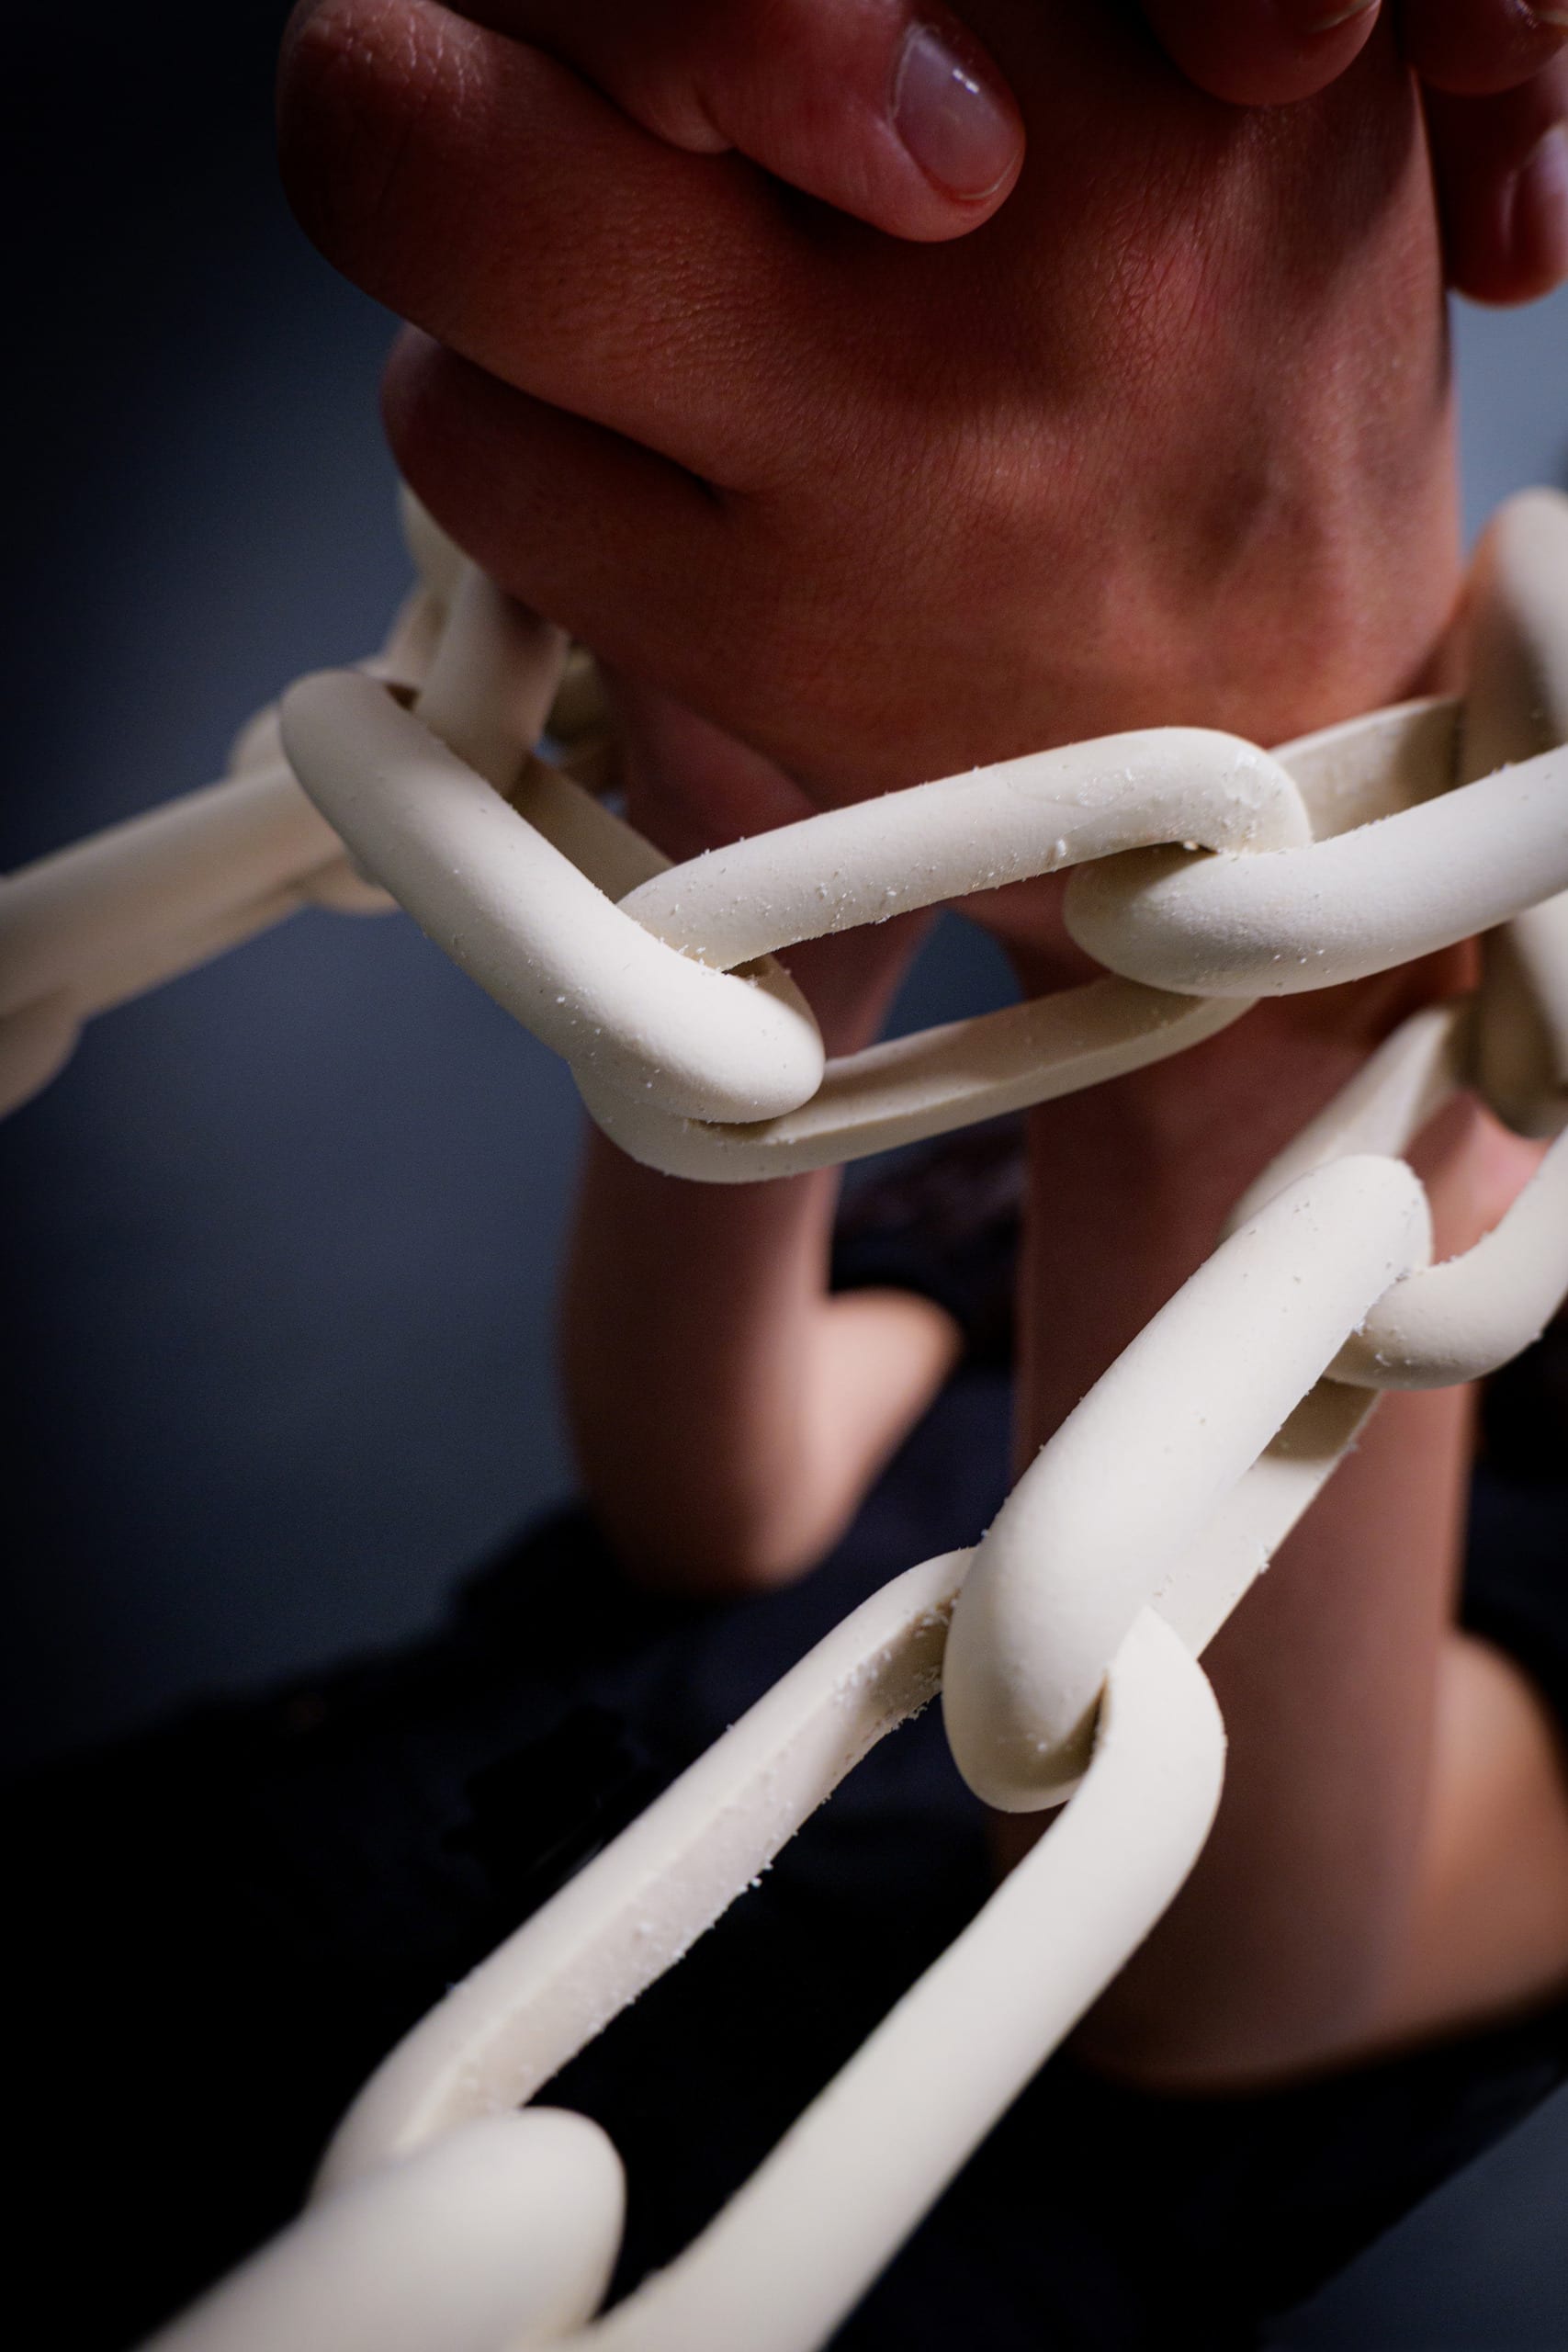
(889, 111)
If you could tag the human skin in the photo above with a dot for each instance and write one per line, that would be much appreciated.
(1327, 1914)
(1167, 438)
(797, 438)
(891, 110)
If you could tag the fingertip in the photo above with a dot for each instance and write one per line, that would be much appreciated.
(900, 120)
(1502, 170)
(1263, 52)
(1539, 221)
(1475, 49)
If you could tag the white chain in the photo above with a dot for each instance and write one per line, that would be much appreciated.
(1065, 1645)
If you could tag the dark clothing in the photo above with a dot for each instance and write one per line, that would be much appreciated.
(230, 1923)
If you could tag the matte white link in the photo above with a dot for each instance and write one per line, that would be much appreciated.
(171, 870)
(1417, 1069)
(792, 2252)
(1377, 765)
(519, 918)
(1068, 1668)
(1098, 1524)
(1471, 1314)
(1465, 1318)
(1291, 921)
(1517, 707)
(1007, 823)
(911, 848)
(797, 2247)
(1390, 890)
(491, 680)
(1517, 700)
(908, 1088)
(88, 927)
(503, 2234)
(637, 1908)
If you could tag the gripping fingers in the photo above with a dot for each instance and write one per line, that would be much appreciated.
(1502, 167)
(1262, 52)
(670, 585)
(485, 192)
(1472, 47)
(1497, 90)
(1496, 105)
(618, 545)
(885, 110)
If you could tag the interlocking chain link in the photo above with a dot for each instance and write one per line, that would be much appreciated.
(450, 2213)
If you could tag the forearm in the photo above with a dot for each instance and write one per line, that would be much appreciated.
(1298, 1936)
(688, 1320)
(1280, 1953)
(727, 1413)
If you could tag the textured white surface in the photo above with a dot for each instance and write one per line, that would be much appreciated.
(430, 2253)
(793, 2251)
(1285, 924)
(623, 1920)
(520, 918)
(795, 2248)
(1069, 1668)
(1086, 1540)
(947, 839)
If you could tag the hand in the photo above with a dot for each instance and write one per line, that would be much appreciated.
(1166, 439)
(895, 112)
(1496, 83)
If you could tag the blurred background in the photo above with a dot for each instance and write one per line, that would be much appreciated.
(276, 1251)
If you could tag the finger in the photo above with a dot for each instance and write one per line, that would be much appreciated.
(888, 111)
(665, 580)
(481, 190)
(612, 542)
(1262, 52)
(1471, 48)
(1502, 172)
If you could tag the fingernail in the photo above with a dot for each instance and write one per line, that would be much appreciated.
(1540, 203)
(956, 125)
